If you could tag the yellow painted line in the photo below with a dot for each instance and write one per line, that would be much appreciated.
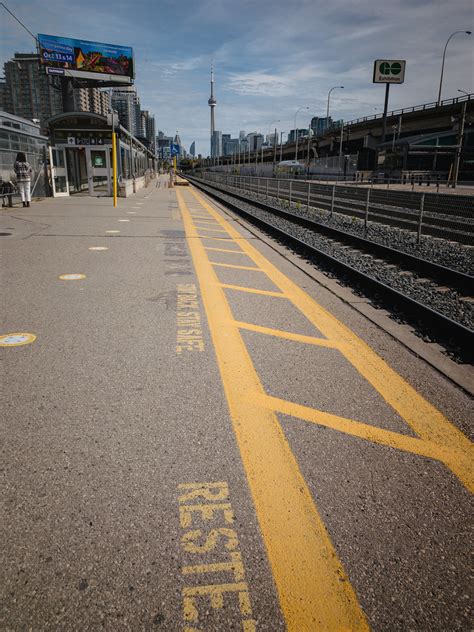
(288, 335)
(235, 267)
(251, 290)
(212, 230)
(314, 590)
(239, 252)
(215, 238)
(357, 428)
(426, 420)
(205, 221)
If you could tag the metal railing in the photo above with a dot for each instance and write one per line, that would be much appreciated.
(448, 216)
(410, 110)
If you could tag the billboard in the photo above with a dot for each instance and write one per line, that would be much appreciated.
(389, 71)
(86, 60)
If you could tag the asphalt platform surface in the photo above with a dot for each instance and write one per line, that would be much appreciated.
(202, 437)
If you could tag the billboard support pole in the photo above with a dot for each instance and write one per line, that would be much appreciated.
(385, 109)
(114, 166)
(67, 94)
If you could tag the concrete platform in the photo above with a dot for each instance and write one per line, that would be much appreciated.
(203, 437)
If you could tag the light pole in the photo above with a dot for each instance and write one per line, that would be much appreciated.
(444, 57)
(303, 107)
(281, 145)
(464, 92)
(275, 140)
(329, 96)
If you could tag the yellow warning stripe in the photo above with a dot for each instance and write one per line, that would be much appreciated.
(313, 588)
(428, 422)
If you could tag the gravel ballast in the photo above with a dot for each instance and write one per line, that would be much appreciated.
(446, 301)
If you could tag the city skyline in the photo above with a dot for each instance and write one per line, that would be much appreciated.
(267, 63)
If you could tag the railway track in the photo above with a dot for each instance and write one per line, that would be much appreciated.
(447, 217)
(434, 298)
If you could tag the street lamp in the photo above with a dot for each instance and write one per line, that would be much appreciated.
(281, 144)
(303, 107)
(275, 140)
(444, 57)
(464, 92)
(329, 96)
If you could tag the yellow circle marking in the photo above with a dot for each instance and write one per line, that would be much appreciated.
(16, 339)
(112, 231)
(72, 277)
(98, 248)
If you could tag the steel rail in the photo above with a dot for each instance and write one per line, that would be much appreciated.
(442, 326)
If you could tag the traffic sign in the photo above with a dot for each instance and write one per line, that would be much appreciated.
(174, 150)
(389, 71)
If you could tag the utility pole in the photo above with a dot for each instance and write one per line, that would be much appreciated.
(275, 142)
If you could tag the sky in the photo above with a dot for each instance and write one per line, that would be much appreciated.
(271, 57)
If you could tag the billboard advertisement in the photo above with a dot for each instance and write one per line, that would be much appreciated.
(85, 59)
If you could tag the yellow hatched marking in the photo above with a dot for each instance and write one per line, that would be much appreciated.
(239, 252)
(235, 267)
(251, 290)
(205, 221)
(427, 422)
(358, 429)
(314, 590)
(213, 230)
(288, 335)
(215, 238)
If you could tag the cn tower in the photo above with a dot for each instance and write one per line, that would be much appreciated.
(212, 104)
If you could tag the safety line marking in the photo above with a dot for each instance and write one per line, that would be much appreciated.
(235, 267)
(205, 221)
(426, 420)
(251, 290)
(239, 252)
(288, 335)
(357, 428)
(213, 230)
(314, 590)
(214, 238)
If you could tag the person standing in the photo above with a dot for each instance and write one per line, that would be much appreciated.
(23, 173)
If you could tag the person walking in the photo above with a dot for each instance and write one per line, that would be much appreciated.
(23, 173)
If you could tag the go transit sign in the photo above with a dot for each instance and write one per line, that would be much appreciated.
(389, 71)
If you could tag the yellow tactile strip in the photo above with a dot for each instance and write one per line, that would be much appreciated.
(304, 563)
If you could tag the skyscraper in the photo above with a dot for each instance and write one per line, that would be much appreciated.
(127, 103)
(212, 104)
(192, 149)
(28, 92)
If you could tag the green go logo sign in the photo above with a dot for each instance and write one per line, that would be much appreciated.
(387, 68)
(389, 71)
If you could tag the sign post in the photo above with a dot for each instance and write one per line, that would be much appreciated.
(388, 71)
(114, 167)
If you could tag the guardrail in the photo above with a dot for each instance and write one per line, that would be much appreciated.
(414, 108)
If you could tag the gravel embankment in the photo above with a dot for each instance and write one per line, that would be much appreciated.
(444, 252)
(445, 301)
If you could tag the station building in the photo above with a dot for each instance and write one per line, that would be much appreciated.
(76, 155)
(81, 156)
(19, 134)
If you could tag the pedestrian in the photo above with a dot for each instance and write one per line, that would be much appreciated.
(23, 173)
